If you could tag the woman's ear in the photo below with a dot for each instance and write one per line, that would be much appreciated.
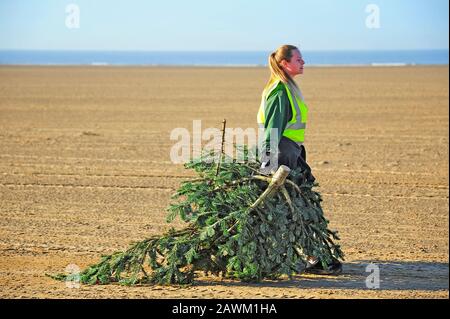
(283, 63)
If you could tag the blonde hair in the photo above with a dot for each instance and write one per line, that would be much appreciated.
(276, 70)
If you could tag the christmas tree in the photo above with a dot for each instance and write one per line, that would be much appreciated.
(239, 224)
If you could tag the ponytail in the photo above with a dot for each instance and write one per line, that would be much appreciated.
(276, 71)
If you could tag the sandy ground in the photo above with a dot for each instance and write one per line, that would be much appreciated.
(85, 170)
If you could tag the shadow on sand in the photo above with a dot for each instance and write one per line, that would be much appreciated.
(393, 275)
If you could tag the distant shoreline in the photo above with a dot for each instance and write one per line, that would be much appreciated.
(95, 65)
(222, 59)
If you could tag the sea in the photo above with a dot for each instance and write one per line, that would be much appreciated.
(220, 58)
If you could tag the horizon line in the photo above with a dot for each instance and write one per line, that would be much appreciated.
(231, 51)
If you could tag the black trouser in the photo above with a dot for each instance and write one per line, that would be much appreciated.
(294, 156)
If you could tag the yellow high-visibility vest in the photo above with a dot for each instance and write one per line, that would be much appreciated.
(295, 128)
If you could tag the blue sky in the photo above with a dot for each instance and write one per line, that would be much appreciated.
(224, 25)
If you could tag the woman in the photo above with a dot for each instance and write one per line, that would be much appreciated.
(283, 115)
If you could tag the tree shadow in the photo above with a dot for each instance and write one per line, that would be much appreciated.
(393, 275)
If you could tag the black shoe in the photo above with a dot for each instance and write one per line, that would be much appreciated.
(335, 268)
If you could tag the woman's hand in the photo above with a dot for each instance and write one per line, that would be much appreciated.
(268, 165)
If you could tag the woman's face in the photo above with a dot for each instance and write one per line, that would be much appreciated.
(295, 66)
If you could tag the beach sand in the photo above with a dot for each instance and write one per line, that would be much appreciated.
(85, 170)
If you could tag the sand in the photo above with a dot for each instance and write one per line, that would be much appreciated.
(85, 170)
